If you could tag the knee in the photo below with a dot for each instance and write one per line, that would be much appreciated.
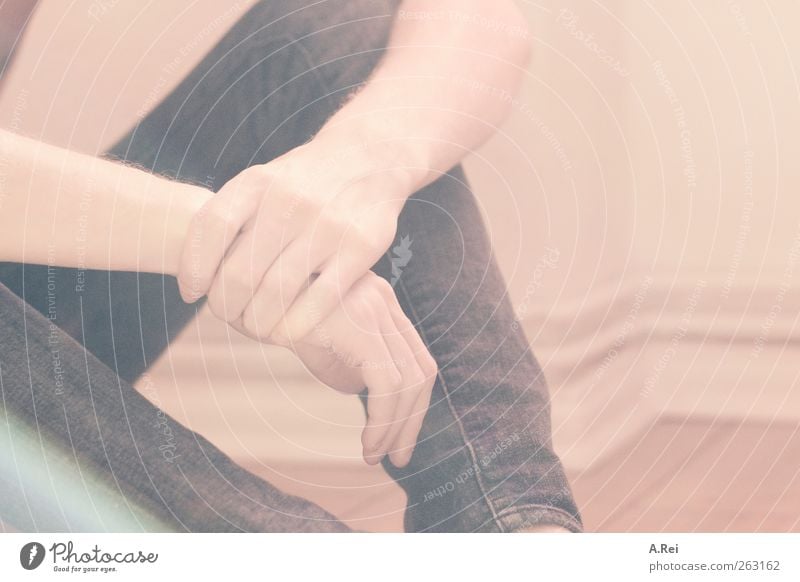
(299, 18)
(344, 40)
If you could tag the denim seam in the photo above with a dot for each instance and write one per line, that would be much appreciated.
(569, 518)
(445, 390)
(467, 443)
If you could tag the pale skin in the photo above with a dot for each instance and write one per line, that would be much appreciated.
(283, 251)
(328, 210)
(67, 209)
(280, 245)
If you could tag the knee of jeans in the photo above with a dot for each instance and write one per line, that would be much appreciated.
(343, 39)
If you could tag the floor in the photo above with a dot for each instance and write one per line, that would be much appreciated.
(682, 472)
(687, 474)
(683, 476)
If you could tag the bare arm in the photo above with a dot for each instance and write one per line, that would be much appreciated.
(68, 209)
(442, 88)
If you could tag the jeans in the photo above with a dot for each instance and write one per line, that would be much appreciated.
(73, 342)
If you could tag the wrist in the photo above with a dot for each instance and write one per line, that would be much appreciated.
(181, 204)
(373, 144)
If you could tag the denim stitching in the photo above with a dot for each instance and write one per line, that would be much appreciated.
(509, 511)
(467, 443)
(473, 458)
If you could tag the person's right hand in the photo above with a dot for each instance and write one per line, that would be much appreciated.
(369, 341)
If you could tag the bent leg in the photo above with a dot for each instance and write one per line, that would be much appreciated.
(267, 88)
(484, 460)
(124, 449)
(226, 116)
(264, 89)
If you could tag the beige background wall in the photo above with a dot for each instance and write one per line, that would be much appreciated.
(642, 200)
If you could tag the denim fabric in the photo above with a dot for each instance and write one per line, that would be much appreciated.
(484, 461)
(72, 399)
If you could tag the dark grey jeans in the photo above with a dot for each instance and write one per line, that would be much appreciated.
(74, 342)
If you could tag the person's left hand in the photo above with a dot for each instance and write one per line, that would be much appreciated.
(369, 341)
(314, 213)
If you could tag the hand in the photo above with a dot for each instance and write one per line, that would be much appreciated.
(315, 212)
(368, 341)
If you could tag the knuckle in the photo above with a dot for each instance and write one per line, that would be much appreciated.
(294, 197)
(296, 279)
(229, 299)
(415, 384)
(369, 277)
(361, 309)
(219, 219)
(328, 229)
(374, 299)
(280, 341)
(377, 410)
(280, 335)
(394, 375)
(248, 321)
(239, 281)
(328, 287)
(230, 312)
(216, 305)
(361, 295)
(430, 363)
(227, 314)
(291, 202)
(382, 286)
(378, 233)
(259, 175)
(251, 327)
(270, 285)
(430, 367)
(418, 377)
(255, 180)
(367, 241)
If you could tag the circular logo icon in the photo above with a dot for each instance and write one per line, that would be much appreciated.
(31, 555)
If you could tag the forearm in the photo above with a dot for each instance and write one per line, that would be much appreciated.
(442, 89)
(68, 209)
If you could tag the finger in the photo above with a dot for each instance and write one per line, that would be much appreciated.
(383, 381)
(239, 277)
(407, 439)
(413, 380)
(211, 232)
(285, 279)
(409, 434)
(407, 329)
(331, 371)
(321, 298)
